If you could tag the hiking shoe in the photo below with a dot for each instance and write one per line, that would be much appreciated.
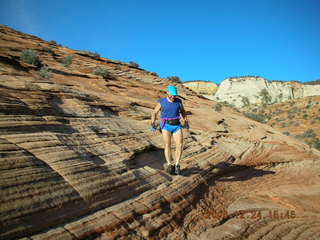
(177, 170)
(170, 169)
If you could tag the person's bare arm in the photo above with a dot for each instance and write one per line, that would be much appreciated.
(183, 113)
(155, 112)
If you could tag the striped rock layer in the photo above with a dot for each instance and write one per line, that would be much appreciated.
(78, 160)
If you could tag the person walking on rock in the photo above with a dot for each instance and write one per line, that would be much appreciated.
(172, 115)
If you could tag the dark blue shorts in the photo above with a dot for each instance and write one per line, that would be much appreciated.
(171, 128)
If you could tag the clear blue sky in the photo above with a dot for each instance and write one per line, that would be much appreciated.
(195, 40)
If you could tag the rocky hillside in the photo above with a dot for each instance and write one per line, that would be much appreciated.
(242, 91)
(299, 118)
(78, 160)
(204, 88)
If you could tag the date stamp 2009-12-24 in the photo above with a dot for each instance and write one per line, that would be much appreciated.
(252, 214)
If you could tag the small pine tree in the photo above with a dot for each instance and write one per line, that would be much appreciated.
(133, 64)
(174, 79)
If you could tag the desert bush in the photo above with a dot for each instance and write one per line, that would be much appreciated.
(305, 116)
(257, 117)
(133, 64)
(103, 72)
(316, 143)
(48, 50)
(218, 107)
(309, 134)
(67, 60)
(31, 57)
(45, 72)
(154, 74)
(92, 54)
(286, 133)
(273, 124)
(293, 110)
(283, 125)
(174, 79)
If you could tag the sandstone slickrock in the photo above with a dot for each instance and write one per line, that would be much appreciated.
(232, 90)
(78, 160)
(204, 88)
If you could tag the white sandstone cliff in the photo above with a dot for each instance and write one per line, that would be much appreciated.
(233, 90)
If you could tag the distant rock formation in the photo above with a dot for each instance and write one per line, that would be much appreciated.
(204, 88)
(78, 161)
(256, 90)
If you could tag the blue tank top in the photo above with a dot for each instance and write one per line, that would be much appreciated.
(170, 109)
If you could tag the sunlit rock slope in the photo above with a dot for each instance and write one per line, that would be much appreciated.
(78, 161)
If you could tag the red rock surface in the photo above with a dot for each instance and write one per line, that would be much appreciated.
(78, 160)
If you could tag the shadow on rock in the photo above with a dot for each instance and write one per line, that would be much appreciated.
(225, 171)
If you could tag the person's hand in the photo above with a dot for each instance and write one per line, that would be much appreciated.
(153, 128)
(187, 125)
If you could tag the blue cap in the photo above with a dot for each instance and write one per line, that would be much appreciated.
(172, 90)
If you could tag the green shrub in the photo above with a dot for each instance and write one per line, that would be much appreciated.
(133, 64)
(45, 72)
(218, 107)
(48, 50)
(283, 125)
(154, 74)
(92, 54)
(286, 133)
(305, 116)
(31, 57)
(257, 117)
(174, 79)
(316, 143)
(103, 72)
(309, 134)
(67, 60)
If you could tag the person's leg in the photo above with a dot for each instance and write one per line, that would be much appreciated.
(178, 138)
(167, 145)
